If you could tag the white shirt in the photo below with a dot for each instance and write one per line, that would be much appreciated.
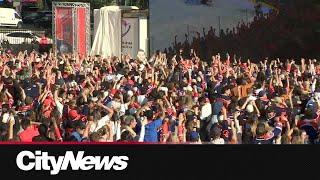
(59, 106)
(99, 124)
(142, 99)
(206, 111)
(218, 141)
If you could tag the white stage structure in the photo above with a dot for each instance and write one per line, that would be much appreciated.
(120, 30)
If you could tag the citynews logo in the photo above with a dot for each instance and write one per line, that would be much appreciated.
(42, 161)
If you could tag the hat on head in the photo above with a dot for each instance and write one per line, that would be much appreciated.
(130, 82)
(130, 93)
(250, 108)
(188, 88)
(73, 114)
(194, 136)
(113, 92)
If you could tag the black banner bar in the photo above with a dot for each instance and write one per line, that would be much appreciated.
(160, 161)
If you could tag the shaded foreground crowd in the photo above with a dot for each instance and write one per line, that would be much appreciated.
(46, 98)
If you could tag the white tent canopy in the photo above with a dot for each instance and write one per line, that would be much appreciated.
(107, 39)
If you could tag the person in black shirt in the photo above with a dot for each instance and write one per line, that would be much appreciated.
(43, 134)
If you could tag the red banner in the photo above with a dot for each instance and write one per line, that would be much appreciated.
(81, 31)
(64, 29)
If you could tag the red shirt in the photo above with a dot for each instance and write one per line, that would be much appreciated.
(28, 134)
(25, 108)
(43, 41)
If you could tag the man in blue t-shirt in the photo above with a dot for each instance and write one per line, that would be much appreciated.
(154, 123)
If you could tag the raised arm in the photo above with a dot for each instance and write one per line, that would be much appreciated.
(110, 110)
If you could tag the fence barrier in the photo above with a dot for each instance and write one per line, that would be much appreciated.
(20, 39)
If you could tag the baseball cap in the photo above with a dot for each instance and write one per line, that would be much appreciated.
(194, 136)
(73, 114)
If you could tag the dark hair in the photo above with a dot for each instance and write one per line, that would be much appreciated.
(149, 114)
(225, 88)
(215, 132)
(261, 129)
(126, 136)
(129, 119)
(285, 139)
(25, 123)
(94, 137)
(28, 100)
(43, 129)
(247, 136)
(96, 115)
(78, 124)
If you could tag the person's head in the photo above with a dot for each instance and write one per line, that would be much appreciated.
(304, 135)
(104, 133)
(70, 95)
(149, 114)
(3, 97)
(131, 121)
(261, 129)
(185, 80)
(126, 136)
(141, 55)
(194, 136)
(43, 129)
(215, 133)
(25, 123)
(285, 139)
(309, 113)
(202, 100)
(94, 137)
(247, 136)
(226, 90)
(79, 126)
(28, 100)
(97, 115)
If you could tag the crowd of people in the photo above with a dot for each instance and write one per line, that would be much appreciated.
(76, 98)
(192, 93)
(290, 30)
